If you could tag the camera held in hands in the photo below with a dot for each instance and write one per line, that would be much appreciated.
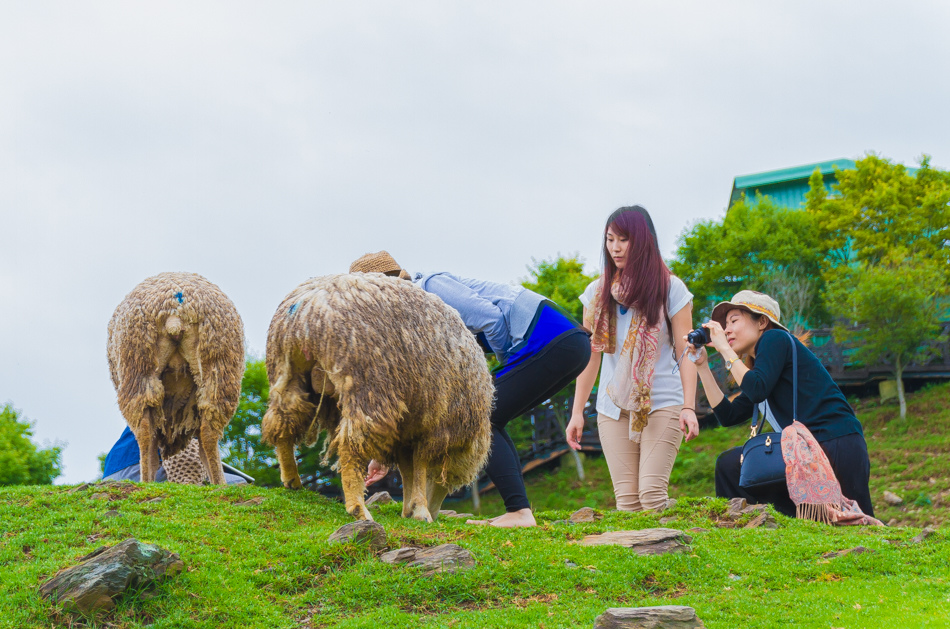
(698, 337)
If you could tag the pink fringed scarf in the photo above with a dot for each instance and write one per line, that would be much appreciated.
(812, 485)
(633, 378)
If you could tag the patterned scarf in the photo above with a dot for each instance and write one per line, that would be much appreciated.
(812, 484)
(633, 379)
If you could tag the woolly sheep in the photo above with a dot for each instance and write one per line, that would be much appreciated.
(176, 355)
(392, 374)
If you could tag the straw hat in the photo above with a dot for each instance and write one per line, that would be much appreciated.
(750, 301)
(379, 262)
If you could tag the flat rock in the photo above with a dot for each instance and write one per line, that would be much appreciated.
(78, 488)
(107, 572)
(763, 520)
(586, 514)
(443, 558)
(857, 550)
(643, 542)
(379, 498)
(659, 617)
(736, 506)
(100, 496)
(456, 515)
(893, 499)
(256, 500)
(927, 532)
(111, 513)
(360, 532)
(400, 555)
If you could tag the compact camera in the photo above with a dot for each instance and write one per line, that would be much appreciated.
(698, 337)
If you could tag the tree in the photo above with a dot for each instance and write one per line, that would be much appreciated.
(893, 308)
(880, 207)
(888, 263)
(562, 280)
(759, 246)
(21, 462)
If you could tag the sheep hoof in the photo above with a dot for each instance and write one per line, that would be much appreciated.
(293, 484)
(360, 512)
(422, 514)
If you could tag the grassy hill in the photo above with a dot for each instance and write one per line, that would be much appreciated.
(269, 565)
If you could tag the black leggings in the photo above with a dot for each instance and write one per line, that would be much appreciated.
(848, 456)
(536, 379)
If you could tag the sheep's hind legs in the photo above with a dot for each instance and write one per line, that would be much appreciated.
(415, 501)
(351, 475)
(145, 435)
(210, 455)
(435, 495)
(289, 475)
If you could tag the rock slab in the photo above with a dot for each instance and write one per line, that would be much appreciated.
(893, 499)
(924, 534)
(643, 542)
(443, 558)
(586, 514)
(360, 532)
(660, 617)
(379, 498)
(107, 572)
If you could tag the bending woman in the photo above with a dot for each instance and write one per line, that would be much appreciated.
(635, 310)
(749, 325)
(539, 348)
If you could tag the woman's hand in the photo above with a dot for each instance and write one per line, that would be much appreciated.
(697, 355)
(575, 428)
(717, 336)
(375, 472)
(689, 424)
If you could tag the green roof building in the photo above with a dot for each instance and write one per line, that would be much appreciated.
(786, 187)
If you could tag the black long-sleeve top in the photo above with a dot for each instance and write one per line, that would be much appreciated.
(822, 407)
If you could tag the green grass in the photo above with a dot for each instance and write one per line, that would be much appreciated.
(269, 565)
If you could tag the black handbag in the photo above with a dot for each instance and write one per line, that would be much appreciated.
(761, 464)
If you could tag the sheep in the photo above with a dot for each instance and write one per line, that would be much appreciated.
(176, 356)
(392, 374)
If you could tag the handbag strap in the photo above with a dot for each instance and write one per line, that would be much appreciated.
(755, 407)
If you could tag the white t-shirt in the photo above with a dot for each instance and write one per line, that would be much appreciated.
(667, 386)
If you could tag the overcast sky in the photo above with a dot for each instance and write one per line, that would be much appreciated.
(260, 144)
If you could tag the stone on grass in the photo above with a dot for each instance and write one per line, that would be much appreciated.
(100, 496)
(659, 617)
(927, 532)
(763, 520)
(736, 506)
(111, 513)
(448, 513)
(857, 550)
(643, 542)
(379, 498)
(78, 488)
(250, 502)
(893, 499)
(107, 572)
(443, 558)
(360, 532)
(586, 514)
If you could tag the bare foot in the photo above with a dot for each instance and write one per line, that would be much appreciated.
(515, 519)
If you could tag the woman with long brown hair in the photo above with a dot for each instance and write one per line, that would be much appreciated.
(645, 401)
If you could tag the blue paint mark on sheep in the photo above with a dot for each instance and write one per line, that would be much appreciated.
(293, 309)
(180, 297)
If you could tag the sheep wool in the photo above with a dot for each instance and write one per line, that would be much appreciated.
(176, 356)
(392, 374)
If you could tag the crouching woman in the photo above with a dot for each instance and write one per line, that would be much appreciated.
(749, 326)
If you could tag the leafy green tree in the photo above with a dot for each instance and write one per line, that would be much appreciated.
(892, 311)
(759, 246)
(880, 207)
(562, 280)
(21, 462)
(887, 232)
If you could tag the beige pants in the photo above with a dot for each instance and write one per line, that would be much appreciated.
(641, 471)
